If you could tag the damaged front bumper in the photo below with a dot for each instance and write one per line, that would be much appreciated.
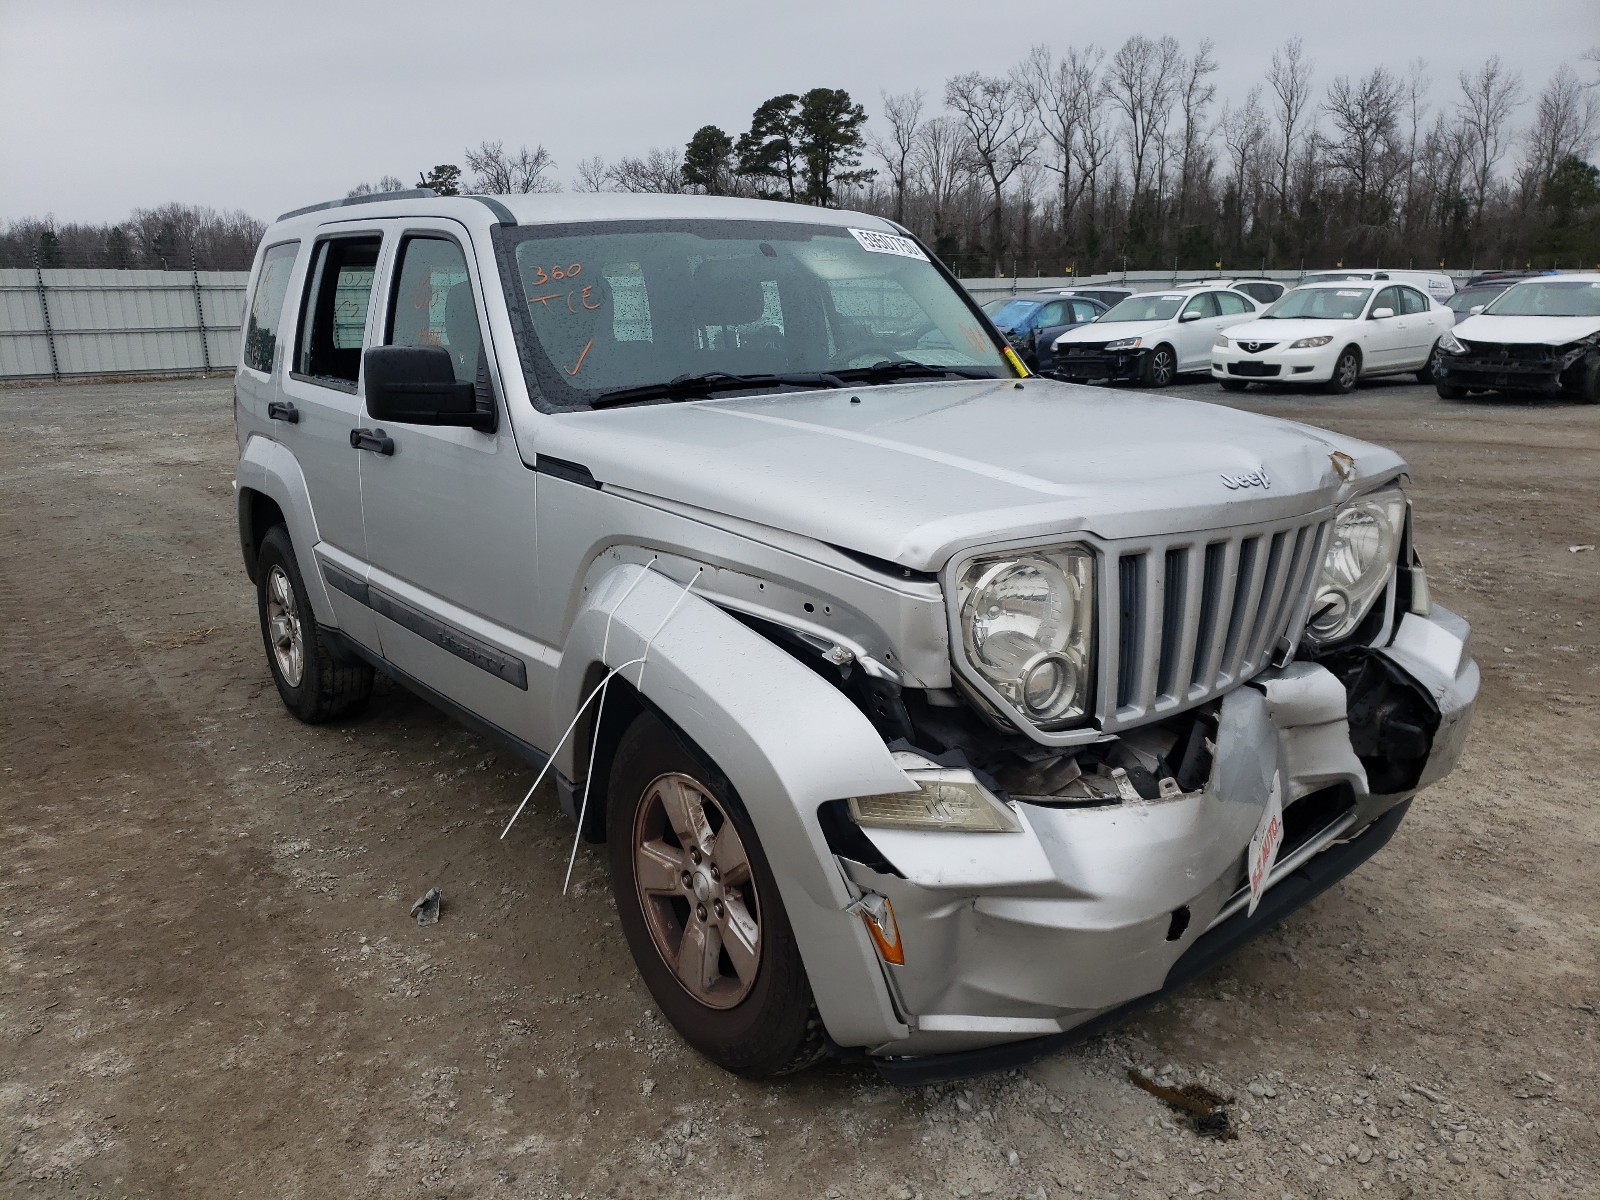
(1013, 943)
(1546, 370)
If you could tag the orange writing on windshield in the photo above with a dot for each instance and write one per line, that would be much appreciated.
(543, 275)
(583, 354)
(575, 299)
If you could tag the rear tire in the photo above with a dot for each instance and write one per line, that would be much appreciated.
(313, 684)
(1160, 367)
(1346, 372)
(717, 951)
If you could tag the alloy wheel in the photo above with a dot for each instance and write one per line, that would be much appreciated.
(697, 891)
(284, 628)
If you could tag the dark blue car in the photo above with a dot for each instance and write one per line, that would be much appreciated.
(1032, 323)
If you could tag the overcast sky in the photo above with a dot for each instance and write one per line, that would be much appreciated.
(107, 106)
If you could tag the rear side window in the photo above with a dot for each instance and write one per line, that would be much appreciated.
(1412, 302)
(433, 304)
(333, 313)
(1230, 304)
(266, 307)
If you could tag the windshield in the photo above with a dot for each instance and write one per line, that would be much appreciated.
(1465, 301)
(1552, 298)
(628, 304)
(1336, 276)
(1145, 308)
(1013, 312)
(1319, 304)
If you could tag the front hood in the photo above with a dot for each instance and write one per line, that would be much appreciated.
(1285, 331)
(912, 472)
(1527, 331)
(1110, 331)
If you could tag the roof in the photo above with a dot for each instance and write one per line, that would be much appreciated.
(564, 207)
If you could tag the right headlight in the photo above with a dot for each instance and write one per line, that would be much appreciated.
(1132, 343)
(1027, 628)
(1450, 344)
(1361, 559)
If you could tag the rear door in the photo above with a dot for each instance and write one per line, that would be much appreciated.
(450, 513)
(322, 385)
(1420, 328)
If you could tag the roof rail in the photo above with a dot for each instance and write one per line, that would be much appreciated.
(370, 198)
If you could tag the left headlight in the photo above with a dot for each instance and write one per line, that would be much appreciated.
(1361, 559)
(1027, 627)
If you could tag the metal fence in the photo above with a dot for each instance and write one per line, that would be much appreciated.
(74, 324)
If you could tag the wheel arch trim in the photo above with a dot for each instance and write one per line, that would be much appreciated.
(785, 740)
(267, 468)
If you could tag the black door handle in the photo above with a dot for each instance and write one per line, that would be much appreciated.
(371, 439)
(282, 410)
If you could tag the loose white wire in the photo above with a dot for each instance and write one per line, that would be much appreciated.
(599, 691)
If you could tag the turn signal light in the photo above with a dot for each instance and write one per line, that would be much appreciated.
(877, 914)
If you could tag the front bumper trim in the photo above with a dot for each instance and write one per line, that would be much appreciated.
(1297, 887)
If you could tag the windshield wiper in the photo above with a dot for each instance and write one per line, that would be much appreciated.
(891, 368)
(691, 387)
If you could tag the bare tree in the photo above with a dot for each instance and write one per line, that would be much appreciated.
(594, 175)
(1365, 116)
(658, 171)
(1141, 83)
(388, 183)
(1001, 141)
(1197, 93)
(1290, 79)
(1064, 96)
(1565, 117)
(897, 151)
(943, 158)
(498, 173)
(1245, 131)
(1415, 104)
(1488, 98)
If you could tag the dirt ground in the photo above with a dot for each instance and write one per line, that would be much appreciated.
(211, 986)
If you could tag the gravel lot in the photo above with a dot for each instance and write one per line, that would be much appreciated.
(211, 986)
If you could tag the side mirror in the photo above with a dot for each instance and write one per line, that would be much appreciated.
(1379, 314)
(1191, 315)
(1475, 310)
(416, 385)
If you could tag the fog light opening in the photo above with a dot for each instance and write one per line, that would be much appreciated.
(1179, 923)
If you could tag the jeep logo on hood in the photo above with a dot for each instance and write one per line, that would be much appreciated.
(1257, 478)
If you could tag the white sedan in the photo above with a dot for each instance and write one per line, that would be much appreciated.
(1151, 338)
(1334, 334)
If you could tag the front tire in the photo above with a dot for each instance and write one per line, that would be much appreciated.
(312, 683)
(1447, 392)
(1346, 371)
(700, 908)
(1426, 374)
(1160, 367)
(1233, 385)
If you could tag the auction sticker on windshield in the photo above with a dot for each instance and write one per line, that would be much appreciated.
(888, 243)
(1264, 845)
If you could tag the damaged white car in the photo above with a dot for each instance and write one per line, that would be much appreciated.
(930, 712)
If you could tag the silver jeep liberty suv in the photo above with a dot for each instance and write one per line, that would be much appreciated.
(947, 712)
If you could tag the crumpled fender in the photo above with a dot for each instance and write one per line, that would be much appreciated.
(785, 739)
(267, 467)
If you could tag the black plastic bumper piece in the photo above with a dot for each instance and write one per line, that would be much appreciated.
(1290, 893)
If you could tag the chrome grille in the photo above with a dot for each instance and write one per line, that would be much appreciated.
(1189, 616)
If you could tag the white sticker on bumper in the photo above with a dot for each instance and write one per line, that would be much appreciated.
(1265, 843)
